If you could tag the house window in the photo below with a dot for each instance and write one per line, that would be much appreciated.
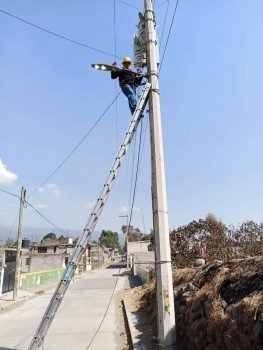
(27, 261)
(42, 250)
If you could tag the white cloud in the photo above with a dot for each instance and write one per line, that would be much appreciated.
(6, 177)
(136, 208)
(40, 206)
(53, 188)
(40, 189)
(90, 205)
(124, 209)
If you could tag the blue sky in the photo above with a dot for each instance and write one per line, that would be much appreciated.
(211, 100)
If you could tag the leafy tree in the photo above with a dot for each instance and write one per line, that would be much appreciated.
(247, 239)
(109, 239)
(185, 241)
(75, 240)
(134, 234)
(10, 243)
(148, 237)
(49, 237)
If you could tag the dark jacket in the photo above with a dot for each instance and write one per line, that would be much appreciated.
(127, 76)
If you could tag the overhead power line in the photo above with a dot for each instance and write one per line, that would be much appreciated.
(44, 217)
(136, 177)
(168, 36)
(13, 225)
(165, 18)
(106, 311)
(10, 193)
(57, 35)
(75, 148)
(116, 89)
(38, 212)
(130, 5)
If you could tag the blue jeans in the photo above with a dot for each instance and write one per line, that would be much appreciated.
(130, 92)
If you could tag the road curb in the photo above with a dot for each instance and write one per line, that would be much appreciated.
(129, 323)
(12, 304)
(134, 334)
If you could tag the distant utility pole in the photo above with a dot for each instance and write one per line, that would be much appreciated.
(147, 53)
(19, 243)
(127, 238)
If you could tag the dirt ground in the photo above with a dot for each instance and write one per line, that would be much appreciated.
(217, 306)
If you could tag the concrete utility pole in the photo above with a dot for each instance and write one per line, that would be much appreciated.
(165, 295)
(127, 238)
(19, 243)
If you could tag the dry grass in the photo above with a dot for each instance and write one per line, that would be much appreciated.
(238, 283)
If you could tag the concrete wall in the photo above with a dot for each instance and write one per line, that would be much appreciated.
(35, 279)
(136, 247)
(25, 261)
(145, 260)
(47, 262)
(2, 263)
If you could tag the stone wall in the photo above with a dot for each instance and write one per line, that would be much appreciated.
(143, 274)
(220, 307)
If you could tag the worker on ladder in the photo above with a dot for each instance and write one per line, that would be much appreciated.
(129, 81)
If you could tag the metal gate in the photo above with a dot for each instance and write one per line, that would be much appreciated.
(9, 276)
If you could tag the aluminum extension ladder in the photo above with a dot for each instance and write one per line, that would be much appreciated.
(62, 286)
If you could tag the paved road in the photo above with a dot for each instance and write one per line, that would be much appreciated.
(78, 318)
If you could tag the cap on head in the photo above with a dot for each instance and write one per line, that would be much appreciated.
(126, 60)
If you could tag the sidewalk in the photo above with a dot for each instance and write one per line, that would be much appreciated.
(7, 302)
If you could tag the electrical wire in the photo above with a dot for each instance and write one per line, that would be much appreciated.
(168, 36)
(26, 202)
(10, 193)
(13, 225)
(143, 142)
(165, 19)
(132, 167)
(44, 217)
(163, 3)
(75, 148)
(106, 311)
(136, 177)
(130, 5)
(114, 28)
(116, 84)
(57, 35)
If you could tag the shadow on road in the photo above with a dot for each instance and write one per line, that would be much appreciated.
(1, 348)
(119, 265)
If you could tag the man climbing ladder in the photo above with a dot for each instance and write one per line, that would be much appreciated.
(129, 81)
(67, 276)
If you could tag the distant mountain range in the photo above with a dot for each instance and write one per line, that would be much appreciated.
(35, 234)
